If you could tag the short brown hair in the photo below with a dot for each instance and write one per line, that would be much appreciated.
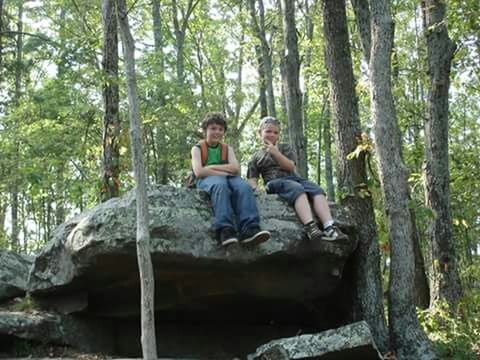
(214, 118)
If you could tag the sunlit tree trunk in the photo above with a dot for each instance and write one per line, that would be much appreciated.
(293, 94)
(259, 29)
(18, 93)
(262, 89)
(111, 119)
(147, 282)
(351, 174)
(180, 30)
(406, 336)
(440, 49)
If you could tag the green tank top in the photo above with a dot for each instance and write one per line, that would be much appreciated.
(214, 155)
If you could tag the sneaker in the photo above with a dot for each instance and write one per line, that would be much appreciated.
(227, 236)
(333, 233)
(254, 236)
(313, 232)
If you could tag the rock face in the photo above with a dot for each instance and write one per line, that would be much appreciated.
(210, 302)
(13, 274)
(87, 335)
(353, 342)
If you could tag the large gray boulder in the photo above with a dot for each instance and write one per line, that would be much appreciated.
(13, 274)
(209, 302)
(350, 342)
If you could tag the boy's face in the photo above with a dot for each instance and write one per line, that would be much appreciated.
(270, 133)
(214, 133)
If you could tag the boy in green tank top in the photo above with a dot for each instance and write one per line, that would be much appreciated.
(229, 193)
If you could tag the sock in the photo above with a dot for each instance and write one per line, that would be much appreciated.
(327, 224)
(309, 223)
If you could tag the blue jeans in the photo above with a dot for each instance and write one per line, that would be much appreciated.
(231, 195)
(291, 187)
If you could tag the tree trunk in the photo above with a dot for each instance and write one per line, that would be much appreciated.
(422, 291)
(18, 93)
(445, 279)
(1, 34)
(158, 40)
(351, 174)
(259, 28)
(293, 93)
(262, 88)
(407, 338)
(111, 119)
(147, 282)
(362, 18)
(327, 141)
(180, 30)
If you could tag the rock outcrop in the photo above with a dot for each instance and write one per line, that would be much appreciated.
(13, 274)
(350, 342)
(209, 302)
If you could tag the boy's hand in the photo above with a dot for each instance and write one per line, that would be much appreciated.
(270, 148)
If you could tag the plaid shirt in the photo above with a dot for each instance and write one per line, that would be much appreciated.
(263, 164)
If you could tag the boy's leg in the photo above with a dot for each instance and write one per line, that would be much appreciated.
(245, 207)
(322, 210)
(220, 196)
(293, 191)
(303, 210)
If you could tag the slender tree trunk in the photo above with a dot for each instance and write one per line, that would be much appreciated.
(308, 62)
(161, 168)
(1, 34)
(422, 290)
(351, 174)
(147, 282)
(18, 93)
(293, 93)
(327, 141)
(180, 30)
(158, 39)
(362, 18)
(259, 28)
(445, 279)
(111, 118)
(407, 338)
(262, 89)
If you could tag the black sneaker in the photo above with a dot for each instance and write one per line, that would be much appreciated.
(312, 231)
(333, 233)
(254, 236)
(227, 236)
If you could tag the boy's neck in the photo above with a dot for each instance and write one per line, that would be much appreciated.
(212, 143)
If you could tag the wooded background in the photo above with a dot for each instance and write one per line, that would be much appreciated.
(324, 68)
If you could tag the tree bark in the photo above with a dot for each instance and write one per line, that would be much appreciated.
(293, 94)
(259, 28)
(18, 93)
(327, 141)
(351, 174)
(158, 39)
(407, 338)
(147, 282)
(111, 119)
(180, 30)
(262, 88)
(361, 9)
(440, 50)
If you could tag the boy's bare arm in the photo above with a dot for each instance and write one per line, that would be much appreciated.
(204, 171)
(284, 162)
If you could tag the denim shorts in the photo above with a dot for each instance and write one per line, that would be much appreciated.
(290, 188)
